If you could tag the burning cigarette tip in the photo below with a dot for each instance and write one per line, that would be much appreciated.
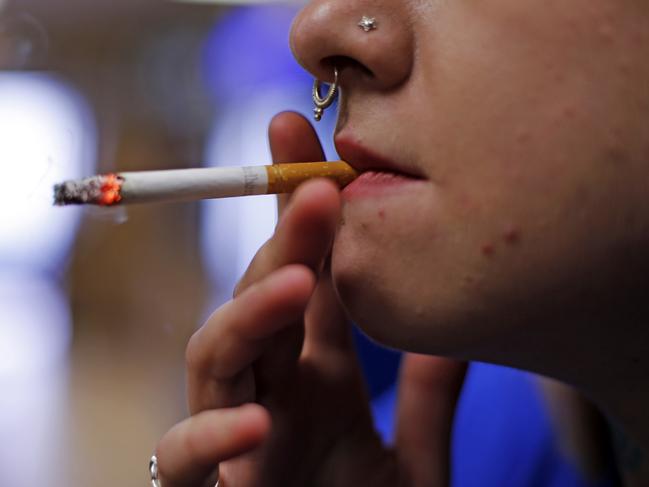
(104, 190)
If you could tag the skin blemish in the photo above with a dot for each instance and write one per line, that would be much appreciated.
(616, 155)
(419, 311)
(571, 23)
(615, 140)
(382, 214)
(466, 202)
(644, 105)
(569, 112)
(606, 33)
(637, 40)
(523, 136)
(512, 235)
(625, 67)
(488, 250)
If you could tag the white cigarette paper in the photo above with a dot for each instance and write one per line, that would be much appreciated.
(193, 184)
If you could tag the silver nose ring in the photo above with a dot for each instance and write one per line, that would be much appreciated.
(321, 104)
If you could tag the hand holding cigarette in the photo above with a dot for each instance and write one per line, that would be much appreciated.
(258, 336)
(284, 343)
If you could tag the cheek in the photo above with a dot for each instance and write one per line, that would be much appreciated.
(428, 273)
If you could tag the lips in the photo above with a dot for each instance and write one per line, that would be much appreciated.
(363, 159)
(378, 174)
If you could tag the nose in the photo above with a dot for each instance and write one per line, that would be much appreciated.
(326, 33)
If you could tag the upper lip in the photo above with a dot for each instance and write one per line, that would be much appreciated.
(363, 159)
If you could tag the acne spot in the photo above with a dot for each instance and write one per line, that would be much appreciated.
(466, 202)
(523, 136)
(512, 235)
(382, 214)
(637, 40)
(488, 249)
(606, 33)
(625, 67)
(610, 16)
(571, 22)
(569, 112)
(616, 144)
(616, 155)
(469, 281)
(419, 311)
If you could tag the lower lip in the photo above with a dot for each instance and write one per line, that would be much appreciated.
(372, 183)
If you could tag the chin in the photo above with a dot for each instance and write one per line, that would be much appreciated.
(399, 307)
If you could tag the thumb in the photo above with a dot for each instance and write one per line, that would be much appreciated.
(429, 388)
(293, 139)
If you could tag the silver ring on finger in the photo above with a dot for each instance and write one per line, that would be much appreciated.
(153, 471)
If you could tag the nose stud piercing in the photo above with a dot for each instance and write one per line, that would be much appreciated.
(368, 23)
(321, 104)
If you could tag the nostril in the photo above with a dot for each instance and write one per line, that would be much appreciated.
(345, 62)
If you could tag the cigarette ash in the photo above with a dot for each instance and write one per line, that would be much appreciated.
(97, 190)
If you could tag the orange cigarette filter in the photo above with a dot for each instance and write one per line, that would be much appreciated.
(285, 178)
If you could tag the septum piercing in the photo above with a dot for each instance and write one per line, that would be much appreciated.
(321, 104)
(368, 23)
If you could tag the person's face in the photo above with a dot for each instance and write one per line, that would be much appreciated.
(528, 121)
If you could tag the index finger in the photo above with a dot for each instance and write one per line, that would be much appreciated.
(304, 234)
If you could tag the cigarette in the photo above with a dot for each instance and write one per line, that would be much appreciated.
(196, 184)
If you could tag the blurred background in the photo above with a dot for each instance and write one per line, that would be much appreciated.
(96, 305)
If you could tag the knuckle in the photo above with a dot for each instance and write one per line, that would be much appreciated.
(193, 359)
(191, 443)
(264, 261)
(248, 277)
(239, 287)
(164, 449)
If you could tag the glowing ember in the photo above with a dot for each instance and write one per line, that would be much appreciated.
(110, 190)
